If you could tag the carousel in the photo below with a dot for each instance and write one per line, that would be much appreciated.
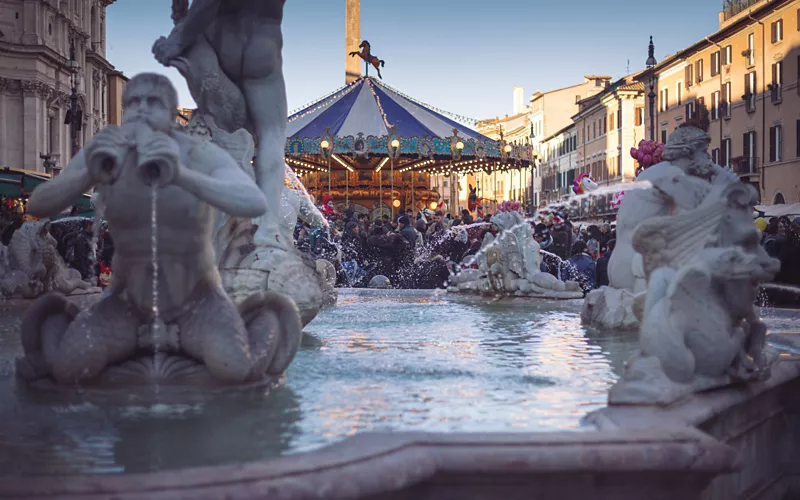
(371, 147)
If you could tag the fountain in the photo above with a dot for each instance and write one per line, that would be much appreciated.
(255, 254)
(165, 320)
(509, 264)
(442, 391)
(679, 184)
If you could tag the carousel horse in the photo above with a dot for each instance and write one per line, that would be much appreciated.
(368, 57)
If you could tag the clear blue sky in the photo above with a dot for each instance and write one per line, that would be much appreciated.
(464, 56)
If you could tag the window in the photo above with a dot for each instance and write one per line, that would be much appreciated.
(598, 83)
(664, 135)
(777, 82)
(750, 91)
(727, 55)
(725, 152)
(679, 92)
(725, 105)
(715, 105)
(663, 104)
(749, 151)
(715, 63)
(690, 111)
(689, 76)
(605, 125)
(751, 49)
(715, 156)
(619, 117)
(698, 66)
(776, 31)
(594, 130)
(638, 117)
(775, 143)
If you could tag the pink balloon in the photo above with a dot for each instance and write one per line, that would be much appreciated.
(642, 142)
(647, 160)
(634, 152)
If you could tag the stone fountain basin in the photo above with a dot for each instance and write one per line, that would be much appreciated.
(727, 444)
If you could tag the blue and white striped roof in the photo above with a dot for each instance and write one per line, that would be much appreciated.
(370, 107)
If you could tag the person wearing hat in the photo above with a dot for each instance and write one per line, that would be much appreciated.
(406, 231)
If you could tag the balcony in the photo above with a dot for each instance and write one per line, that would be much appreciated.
(744, 165)
(775, 93)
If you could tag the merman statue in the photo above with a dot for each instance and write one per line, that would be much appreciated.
(184, 330)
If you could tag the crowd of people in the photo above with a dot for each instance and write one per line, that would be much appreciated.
(780, 237)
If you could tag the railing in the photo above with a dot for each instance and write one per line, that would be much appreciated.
(744, 165)
(730, 8)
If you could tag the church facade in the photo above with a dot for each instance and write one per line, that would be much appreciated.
(36, 79)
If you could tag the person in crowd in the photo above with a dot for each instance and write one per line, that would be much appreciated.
(580, 267)
(352, 246)
(602, 264)
(466, 217)
(407, 232)
(550, 262)
(8, 232)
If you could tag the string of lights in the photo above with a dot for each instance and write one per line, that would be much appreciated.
(321, 103)
(380, 106)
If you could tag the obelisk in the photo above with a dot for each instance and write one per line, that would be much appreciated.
(352, 38)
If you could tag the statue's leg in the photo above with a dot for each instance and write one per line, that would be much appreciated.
(82, 348)
(266, 103)
(213, 332)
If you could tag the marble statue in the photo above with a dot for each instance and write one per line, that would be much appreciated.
(31, 265)
(165, 319)
(509, 264)
(699, 326)
(230, 55)
(676, 185)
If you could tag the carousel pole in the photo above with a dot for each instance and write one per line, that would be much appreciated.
(380, 194)
(413, 205)
(346, 188)
(393, 149)
(325, 146)
(392, 195)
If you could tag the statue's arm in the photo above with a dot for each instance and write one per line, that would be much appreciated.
(216, 179)
(55, 195)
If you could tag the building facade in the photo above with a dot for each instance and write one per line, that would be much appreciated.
(745, 76)
(36, 79)
(550, 113)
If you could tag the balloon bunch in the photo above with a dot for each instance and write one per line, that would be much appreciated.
(647, 154)
(509, 206)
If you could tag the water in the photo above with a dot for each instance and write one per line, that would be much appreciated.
(379, 360)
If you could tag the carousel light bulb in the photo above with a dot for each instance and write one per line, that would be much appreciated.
(395, 144)
(433, 205)
(508, 148)
(459, 145)
(396, 203)
(324, 144)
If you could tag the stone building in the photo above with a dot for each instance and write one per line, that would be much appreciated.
(36, 81)
(746, 76)
(550, 113)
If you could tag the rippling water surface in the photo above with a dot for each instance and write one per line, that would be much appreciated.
(379, 360)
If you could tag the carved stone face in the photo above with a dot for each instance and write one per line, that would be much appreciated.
(145, 104)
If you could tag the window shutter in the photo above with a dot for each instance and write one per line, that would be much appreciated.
(747, 84)
(687, 77)
(774, 74)
(773, 28)
(723, 154)
(772, 143)
(797, 133)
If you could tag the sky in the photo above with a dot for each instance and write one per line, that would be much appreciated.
(463, 56)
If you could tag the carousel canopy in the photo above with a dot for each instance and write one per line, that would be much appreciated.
(365, 118)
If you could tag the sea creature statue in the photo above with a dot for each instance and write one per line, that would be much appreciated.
(31, 265)
(677, 185)
(699, 327)
(584, 184)
(165, 320)
(230, 55)
(509, 264)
